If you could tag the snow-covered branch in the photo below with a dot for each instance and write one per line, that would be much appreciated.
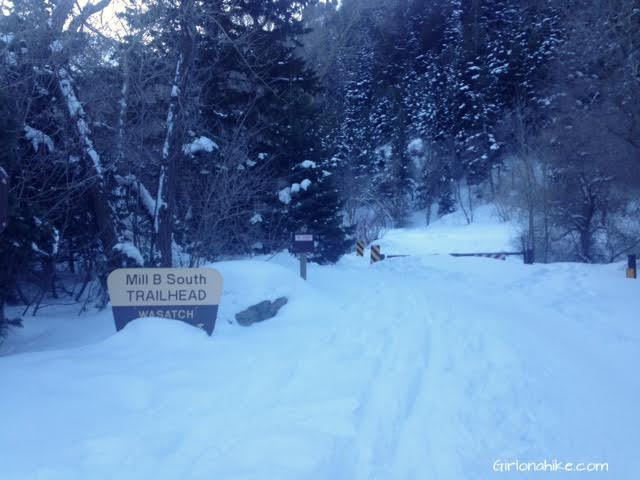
(78, 116)
(146, 199)
(166, 147)
(37, 138)
(88, 11)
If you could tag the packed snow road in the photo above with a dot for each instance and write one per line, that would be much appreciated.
(425, 367)
(478, 362)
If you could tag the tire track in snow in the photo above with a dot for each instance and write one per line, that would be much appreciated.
(395, 380)
(442, 393)
(476, 401)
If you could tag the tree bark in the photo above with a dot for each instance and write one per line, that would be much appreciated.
(98, 193)
(171, 151)
(103, 212)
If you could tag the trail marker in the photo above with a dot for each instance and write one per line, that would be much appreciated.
(191, 295)
(303, 243)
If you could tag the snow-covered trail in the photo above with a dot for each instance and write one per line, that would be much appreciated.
(484, 361)
(425, 367)
(438, 387)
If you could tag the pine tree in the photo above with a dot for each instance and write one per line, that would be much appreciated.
(315, 203)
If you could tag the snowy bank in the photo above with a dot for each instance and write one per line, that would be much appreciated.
(413, 368)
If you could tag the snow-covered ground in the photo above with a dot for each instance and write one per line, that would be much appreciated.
(452, 234)
(424, 367)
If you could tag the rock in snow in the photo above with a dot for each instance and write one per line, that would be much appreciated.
(260, 312)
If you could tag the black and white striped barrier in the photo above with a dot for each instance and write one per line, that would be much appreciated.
(528, 255)
(376, 256)
(360, 248)
(497, 256)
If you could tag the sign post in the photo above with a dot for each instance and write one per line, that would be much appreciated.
(303, 243)
(528, 256)
(4, 199)
(632, 271)
(303, 267)
(191, 295)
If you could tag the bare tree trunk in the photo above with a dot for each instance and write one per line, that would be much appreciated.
(98, 192)
(467, 208)
(122, 115)
(546, 212)
(164, 220)
(6, 273)
(99, 198)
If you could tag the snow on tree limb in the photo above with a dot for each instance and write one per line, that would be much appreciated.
(77, 114)
(122, 114)
(37, 138)
(88, 11)
(146, 199)
(200, 144)
(130, 251)
(159, 204)
(175, 90)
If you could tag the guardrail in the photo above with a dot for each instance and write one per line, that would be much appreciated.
(377, 256)
(527, 255)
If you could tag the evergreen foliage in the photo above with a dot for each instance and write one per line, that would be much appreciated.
(205, 129)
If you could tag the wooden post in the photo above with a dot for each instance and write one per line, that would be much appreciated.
(303, 266)
(529, 256)
(632, 271)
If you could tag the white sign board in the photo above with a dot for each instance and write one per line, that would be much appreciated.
(191, 295)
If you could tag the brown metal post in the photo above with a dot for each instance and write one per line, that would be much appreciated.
(632, 271)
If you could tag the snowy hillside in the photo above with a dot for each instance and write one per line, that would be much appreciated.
(422, 367)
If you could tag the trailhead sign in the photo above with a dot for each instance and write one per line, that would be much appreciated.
(191, 295)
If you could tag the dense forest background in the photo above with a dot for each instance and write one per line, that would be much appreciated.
(184, 131)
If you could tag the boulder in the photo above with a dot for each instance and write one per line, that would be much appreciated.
(260, 311)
